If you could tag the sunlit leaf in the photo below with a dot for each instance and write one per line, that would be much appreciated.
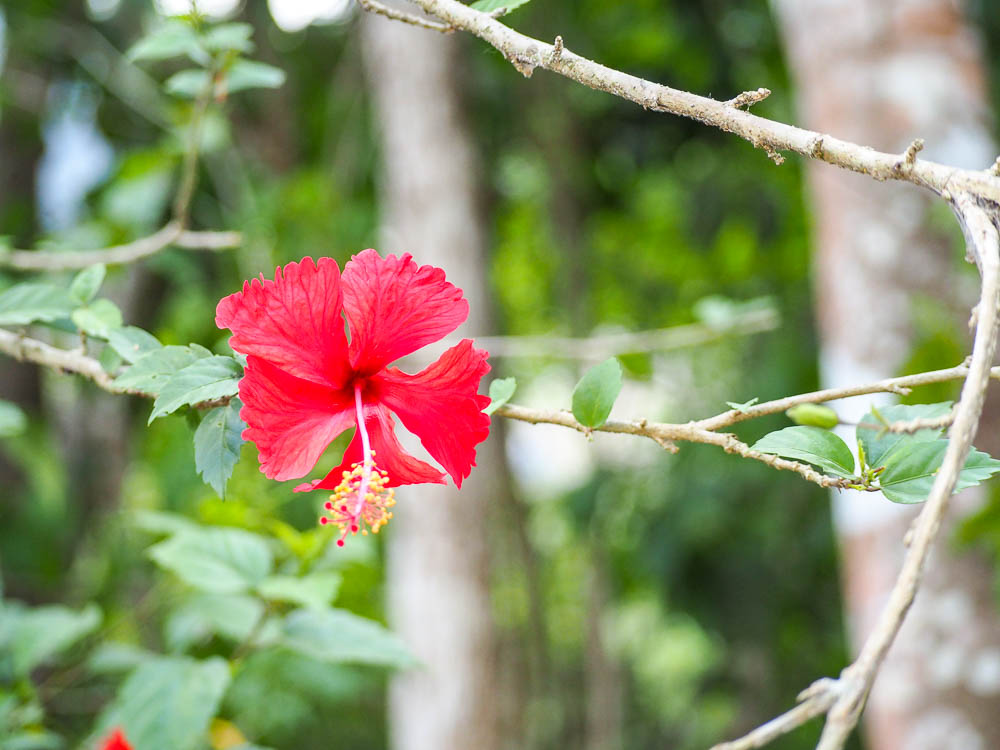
(131, 342)
(12, 420)
(86, 284)
(501, 391)
(911, 469)
(596, 393)
(249, 74)
(877, 442)
(188, 83)
(488, 6)
(34, 635)
(821, 448)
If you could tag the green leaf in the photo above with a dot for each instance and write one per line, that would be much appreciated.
(218, 560)
(878, 443)
(315, 591)
(488, 6)
(112, 657)
(172, 39)
(163, 522)
(34, 302)
(335, 635)
(188, 83)
(229, 36)
(202, 380)
(814, 445)
(248, 74)
(131, 342)
(596, 392)
(98, 318)
(911, 469)
(152, 371)
(501, 391)
(166, 704)
(33, 636)
(231, 616)
(815, 415)
(742, 408)
(217, 443)
(12, 420)
(85, 284)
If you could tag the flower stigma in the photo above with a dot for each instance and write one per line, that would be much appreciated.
(361, 502)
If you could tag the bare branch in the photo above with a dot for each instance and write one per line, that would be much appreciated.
(526, 54)
(169, 234)
(608, 345)
(373, 6)
(61, 360)
(780, 725)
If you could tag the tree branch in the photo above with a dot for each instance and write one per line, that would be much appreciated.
(608, 345)
(170, 234)
(526, 54)
(373, 6)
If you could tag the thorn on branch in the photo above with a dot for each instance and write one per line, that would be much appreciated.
(995, 169)
(909, 157)
(557, 49)
(816, 147)
(748, 98)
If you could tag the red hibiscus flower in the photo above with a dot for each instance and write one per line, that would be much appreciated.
(305, 382)
(116, 741)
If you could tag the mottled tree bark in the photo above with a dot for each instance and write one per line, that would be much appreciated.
(883, 72)
(437, 573)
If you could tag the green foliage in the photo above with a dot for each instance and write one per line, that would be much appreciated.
(131, 343)
(501, 391)
(31, 637)
(86, 284)
(205, 379)
(98, 318)
(902, 465)
(167, 703)
(742, 408)
(12, 419)
(151, 371)
(217, 443)
(814, 445)
(33, 302)
(337, 636)
(220, 561)
(597, 392)
(314, 591)
(488, 6)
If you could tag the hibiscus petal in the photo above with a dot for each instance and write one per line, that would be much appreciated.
(401, 467)
(294, 321)
(291, 420)
(394, 307)
(441, 407)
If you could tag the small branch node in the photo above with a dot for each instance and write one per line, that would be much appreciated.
(557, 49)
(995, 169)
(748, 98)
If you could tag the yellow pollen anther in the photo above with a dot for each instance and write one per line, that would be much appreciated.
(351, 513)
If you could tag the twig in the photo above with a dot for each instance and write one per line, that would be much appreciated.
(61, 360)
(526, 54)
(792, 719)
(608, 345)
(169, 234)
(373, 6)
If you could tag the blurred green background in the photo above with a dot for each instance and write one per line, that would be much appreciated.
(721, 576)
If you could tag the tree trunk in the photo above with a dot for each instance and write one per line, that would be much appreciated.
(439, 598)
(881, 73)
